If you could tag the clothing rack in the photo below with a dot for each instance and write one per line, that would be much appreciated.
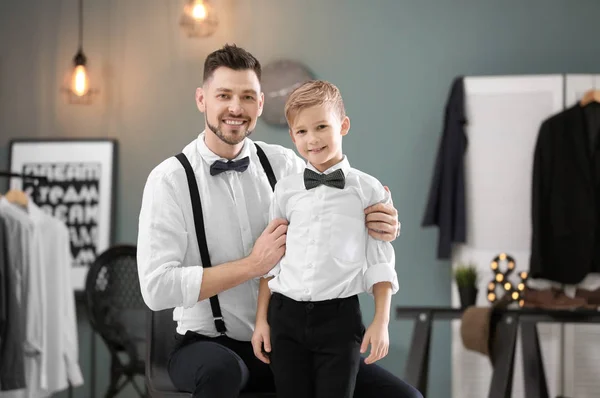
(36, 180)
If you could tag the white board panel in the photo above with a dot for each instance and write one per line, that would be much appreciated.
(577, 85)
(504, 115)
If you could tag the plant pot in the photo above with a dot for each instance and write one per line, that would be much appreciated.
(468, 295)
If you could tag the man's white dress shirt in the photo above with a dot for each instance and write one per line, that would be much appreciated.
(236, 211)
(329, 253)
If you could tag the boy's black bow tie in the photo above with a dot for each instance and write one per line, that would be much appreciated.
(238, 165)
(335, 179)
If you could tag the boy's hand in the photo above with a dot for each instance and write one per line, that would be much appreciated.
(376, 335)
(262, 336)
(382, 221)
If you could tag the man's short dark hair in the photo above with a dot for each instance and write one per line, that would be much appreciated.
(232, 57)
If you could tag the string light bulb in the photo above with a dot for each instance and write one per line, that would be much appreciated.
(523, 275)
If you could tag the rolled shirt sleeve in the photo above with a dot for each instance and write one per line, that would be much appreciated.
(381, 258)
(380, 265)
(161, 247)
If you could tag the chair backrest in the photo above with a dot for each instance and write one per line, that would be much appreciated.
(160, 340)
(116, 309)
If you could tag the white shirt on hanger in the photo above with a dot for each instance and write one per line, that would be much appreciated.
(32, 292)
(51, 360)
(236, 211)
(329, 253)
(61, 335)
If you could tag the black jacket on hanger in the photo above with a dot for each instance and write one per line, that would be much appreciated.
(446, 202)
(565, 204)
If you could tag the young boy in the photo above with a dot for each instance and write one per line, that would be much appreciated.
(308, 321)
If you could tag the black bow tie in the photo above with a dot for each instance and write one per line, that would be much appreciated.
(335, 179)
(238, 165)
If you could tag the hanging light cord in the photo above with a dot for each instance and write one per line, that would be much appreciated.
(80, 25)
(80, 58)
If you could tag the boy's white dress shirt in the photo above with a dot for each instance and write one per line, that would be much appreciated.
(329, 253)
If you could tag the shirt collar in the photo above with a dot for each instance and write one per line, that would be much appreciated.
(210, 157)
(343, 164)
(14, 210)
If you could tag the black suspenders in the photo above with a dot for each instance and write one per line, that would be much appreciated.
(266, 166)
(199, 223)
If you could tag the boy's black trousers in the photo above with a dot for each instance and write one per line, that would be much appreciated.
(315, 346)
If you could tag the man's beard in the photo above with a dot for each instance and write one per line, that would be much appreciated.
(232, 140)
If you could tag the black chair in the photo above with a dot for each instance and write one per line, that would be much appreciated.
(159, 341)
(117, 312)
(161, 327)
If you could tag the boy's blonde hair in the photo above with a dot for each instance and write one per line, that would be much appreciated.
(311, 93)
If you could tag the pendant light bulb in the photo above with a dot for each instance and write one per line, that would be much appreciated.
(199, 18)
(80, 83)
(199, 11)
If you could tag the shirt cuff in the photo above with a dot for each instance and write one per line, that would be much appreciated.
(74, 374)
(380, 273)
(191, 279)
(273, 272)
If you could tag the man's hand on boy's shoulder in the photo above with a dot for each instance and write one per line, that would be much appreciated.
(382, 220)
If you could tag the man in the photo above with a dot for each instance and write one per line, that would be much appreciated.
(216, 246)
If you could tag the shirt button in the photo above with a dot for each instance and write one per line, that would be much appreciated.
(307, 291)
(310, 265)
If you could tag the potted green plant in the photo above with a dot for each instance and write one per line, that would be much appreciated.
(466, 280)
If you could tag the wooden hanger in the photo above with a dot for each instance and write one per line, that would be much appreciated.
(589, 97)
(17, 197)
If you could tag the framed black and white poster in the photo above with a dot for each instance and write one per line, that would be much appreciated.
(78, 189)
